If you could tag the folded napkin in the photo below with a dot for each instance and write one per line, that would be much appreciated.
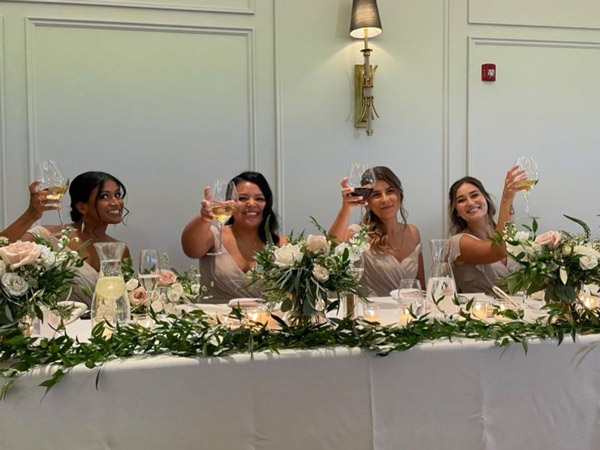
(246, 302)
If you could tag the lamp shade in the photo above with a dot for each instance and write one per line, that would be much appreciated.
(365, 19)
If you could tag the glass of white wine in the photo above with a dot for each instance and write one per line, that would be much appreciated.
(149, 270)
(530, 167)
(53, 181)
(223, 203)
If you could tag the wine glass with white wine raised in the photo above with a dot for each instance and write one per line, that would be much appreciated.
(530, 167)
(53, 181)
(223, 203)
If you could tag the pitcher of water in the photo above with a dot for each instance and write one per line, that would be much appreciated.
(110, 302)
(441, 281)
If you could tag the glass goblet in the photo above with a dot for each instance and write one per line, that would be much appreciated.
(530, 167)
(54, 181)
(223, 203)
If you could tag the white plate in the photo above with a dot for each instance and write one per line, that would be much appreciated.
(208, 308)
(245, 302)
(384, 302)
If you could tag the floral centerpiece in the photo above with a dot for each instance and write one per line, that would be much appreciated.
(173, 288)
(559, 263)
(32, 275)
(309, 275)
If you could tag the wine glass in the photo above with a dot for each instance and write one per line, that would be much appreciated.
(410, 291)
(53, 180)
(357, 268)
(362, 178)
(223, 203)
(149, 270)
(530, 167)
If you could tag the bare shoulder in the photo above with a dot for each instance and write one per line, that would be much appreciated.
(414, 231)
(53, 228)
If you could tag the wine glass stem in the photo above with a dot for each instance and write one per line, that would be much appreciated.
(220, 239)
(527, 204)
(62, 224)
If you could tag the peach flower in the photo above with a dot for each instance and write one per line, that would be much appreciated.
(138, 296)
(551, 239)
(167, 277)
(20, 253)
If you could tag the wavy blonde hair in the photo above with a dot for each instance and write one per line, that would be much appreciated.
(379, 237)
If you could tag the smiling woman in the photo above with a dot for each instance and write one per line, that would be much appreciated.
(244, 234)
(395, 252)
(478, 263)
(97, 200)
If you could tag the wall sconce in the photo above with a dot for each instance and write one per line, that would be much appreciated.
(365, 23)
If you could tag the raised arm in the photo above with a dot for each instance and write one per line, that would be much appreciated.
(38, 205)
(197, 238)
(339, 228)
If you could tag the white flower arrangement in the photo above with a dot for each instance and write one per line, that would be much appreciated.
(34, 274)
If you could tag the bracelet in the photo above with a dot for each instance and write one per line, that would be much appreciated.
(512, 210)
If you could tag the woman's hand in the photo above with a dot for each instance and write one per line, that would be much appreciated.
(39, 202)
(512, 183)
(206, 204)
(350, 201)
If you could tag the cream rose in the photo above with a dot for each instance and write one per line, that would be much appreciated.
(522, 236)
(14, 284)
(550, 239)
(20, 253)
(317, 244)
(47, 257)
(588, 262)
(320, 273)
(167, 277)
(175, 292)
(288, 255)
(586, 250)
(138, 296)
(157, 306)
(132, 284)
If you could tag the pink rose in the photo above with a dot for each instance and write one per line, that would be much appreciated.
(550, 239)
(138, 297)
(317, 244)
(20, 253)
(167, 277)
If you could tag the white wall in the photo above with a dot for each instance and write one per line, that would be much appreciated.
(169, 94)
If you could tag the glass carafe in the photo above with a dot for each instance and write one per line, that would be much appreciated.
(441, 280)
(110, 302)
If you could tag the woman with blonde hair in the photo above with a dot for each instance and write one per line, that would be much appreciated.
(395, 252)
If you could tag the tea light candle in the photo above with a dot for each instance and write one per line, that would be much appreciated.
(479, 309)
(405, 316)
(372, 313)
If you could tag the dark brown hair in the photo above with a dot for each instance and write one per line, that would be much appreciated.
(457, 223)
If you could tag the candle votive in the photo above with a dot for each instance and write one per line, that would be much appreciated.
(372, 312)
(405, 315)
(589, 301)
(480, 309)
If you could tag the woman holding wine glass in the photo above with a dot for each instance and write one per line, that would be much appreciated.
(97, 200)
(245, 232)
(395, 252)
(476, 262)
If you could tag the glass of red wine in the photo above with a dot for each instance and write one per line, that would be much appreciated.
(362, 178)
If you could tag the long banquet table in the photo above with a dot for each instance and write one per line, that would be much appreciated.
(442, 395)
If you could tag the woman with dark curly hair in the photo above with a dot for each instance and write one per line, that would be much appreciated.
(97, 201)
(244, 234)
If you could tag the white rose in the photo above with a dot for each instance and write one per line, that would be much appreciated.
(47, 257)
(588, 262)
(14, 284)
(514, 249)
(320, 273)
(534, 250)
(2, 267)
(317, 244)
(175, 292)
(586, 250)
(288, 255)
(566, 251)
(157, 306)
(339, 250)
(522, 236)
(132, 284)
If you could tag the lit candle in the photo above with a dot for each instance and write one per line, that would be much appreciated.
(479, 309)
(405, 316)
(589, 301)
(372, 313)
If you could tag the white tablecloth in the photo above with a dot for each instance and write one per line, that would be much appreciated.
(460, 395)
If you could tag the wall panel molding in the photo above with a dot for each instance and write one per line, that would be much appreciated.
(445, 113)
(279, 188)
(3, 184)
(473, 42)
(246, 7)
(34, 23)
(577, 14)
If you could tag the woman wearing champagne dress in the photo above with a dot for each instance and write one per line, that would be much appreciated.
(395, 252)
(476, 262)
(97, 200)
(243, 234)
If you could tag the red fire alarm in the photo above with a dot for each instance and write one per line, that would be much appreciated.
(488, 72)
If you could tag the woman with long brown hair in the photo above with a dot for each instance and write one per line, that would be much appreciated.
(478, 263)
(395, 252)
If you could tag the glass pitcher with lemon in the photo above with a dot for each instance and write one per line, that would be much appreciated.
(110, 302)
